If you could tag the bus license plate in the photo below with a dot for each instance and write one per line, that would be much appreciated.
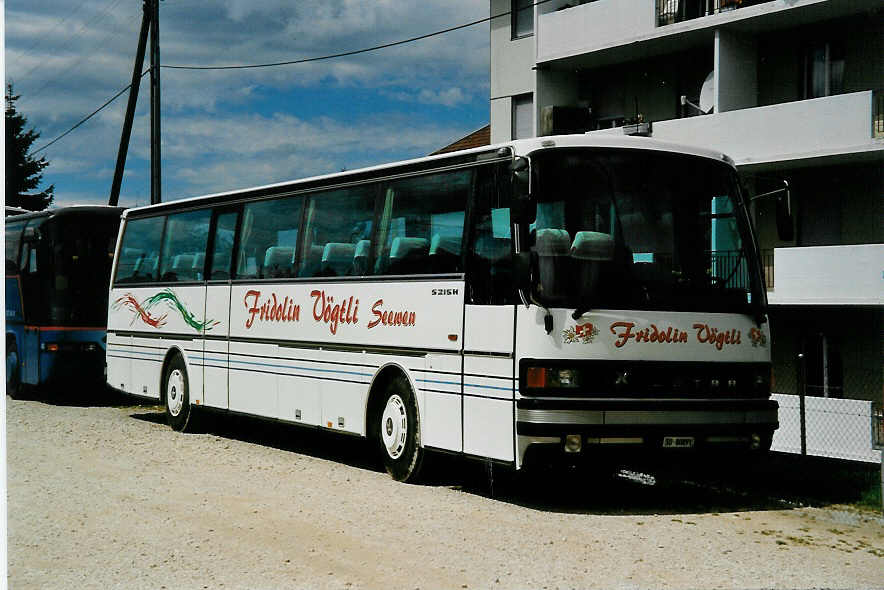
(678, 442)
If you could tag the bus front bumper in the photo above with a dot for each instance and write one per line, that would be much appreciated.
(584, 427)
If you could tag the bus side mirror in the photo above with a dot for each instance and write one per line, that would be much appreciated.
(522, 210)
(785, 226)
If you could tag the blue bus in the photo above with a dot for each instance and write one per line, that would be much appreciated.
(58, 265)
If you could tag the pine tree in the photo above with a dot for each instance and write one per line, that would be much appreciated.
(23, 172)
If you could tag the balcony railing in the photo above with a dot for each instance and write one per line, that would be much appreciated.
(675, 11)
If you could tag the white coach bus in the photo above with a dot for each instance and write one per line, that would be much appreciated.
(574, 294)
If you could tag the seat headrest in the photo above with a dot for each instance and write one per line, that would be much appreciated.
(447, 244)
(363, 247)
(338, 251)
(406, 247)
(278, 256)
(553, 242)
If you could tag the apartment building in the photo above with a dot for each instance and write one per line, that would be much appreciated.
(790, 89)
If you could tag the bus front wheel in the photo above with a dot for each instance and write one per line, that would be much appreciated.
(397, 431)
(176, 386)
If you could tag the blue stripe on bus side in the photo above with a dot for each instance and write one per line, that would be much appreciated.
(208, 359)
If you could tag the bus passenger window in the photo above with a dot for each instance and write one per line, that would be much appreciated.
(186, 238)
(268, 240)
(13, 241)
(337, 239)
(421, 230)
(222, 251)
(139, 252)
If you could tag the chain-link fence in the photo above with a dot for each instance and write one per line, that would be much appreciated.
(816, 420)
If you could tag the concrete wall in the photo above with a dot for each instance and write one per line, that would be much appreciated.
(501, 119)
(511, 59)
(736, 78)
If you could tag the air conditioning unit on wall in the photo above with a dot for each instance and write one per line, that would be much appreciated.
(561, 120)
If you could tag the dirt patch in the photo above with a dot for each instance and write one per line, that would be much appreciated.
(109, 496)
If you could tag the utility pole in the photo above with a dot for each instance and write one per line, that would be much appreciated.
(155, 156)
(150, 22)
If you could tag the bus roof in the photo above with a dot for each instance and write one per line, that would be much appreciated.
(518, 147)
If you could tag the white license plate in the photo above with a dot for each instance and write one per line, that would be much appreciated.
(678, 442)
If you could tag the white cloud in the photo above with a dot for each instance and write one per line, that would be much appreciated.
(67, 57)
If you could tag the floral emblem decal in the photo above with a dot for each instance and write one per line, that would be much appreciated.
(757, 337)
(584, 333)
(145, 310)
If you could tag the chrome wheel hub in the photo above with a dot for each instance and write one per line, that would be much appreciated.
(394, 426)
(175, 392)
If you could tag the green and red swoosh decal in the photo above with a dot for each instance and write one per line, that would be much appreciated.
(145, 310)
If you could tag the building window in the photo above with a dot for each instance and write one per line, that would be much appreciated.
(824, 70)
(523, 116)
(522, 18)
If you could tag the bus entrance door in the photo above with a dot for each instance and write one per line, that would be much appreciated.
(488, 381)
(216, 343)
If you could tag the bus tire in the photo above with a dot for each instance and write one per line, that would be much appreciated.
(13, 370)
(397, 431)
(176, 390)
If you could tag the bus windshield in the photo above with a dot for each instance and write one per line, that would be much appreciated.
(630, 229)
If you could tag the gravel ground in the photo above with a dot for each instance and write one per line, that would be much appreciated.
(109, 497)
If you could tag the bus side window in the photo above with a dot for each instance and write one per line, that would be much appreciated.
(222, 252)
(13, 241)
(337, 236)
(490, 267)
(268, 238)
(186, 238)
(421, 229)
(139, 252)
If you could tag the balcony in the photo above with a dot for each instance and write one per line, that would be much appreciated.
(574, 34)
(827, 275)
(832, 127)
(565, 29)
(676, 11)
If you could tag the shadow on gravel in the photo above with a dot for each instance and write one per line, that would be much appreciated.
(99, 396)
(322, 444)
(776, 482)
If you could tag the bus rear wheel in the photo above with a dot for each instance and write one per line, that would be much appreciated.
(177, 394)
(397, 432)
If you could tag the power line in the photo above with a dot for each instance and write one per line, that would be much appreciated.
(71, 70)
(292, 62)
(355, 51)
(90, 115)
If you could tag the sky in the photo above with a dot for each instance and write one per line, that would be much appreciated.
(223, 130)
